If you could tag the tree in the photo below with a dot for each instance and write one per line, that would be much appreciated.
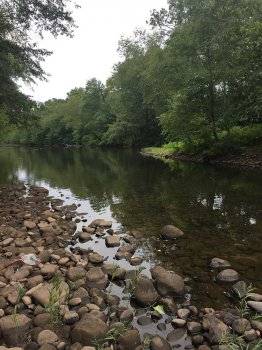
(20, 55)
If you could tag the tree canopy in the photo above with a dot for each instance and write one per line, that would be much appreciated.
(193, 78)
(20, 56)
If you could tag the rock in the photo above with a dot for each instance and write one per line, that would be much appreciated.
(71, 317)
(194, 327)
(88, 229)
(41, 295)
(136, 260)
(215, 327)
(169, 304)
(63, 261)
(126, 316)
(44, 256)
(250, 335)
(255, 305)
(197, 339)
(161, 327)
(239, 289)
(29, 224)
(170, 232)
(42, 320)
(114, 271)
(144, 320)
(145, 293)
(254, 296)
(76, 273)
(228, 275)
(168, 283)
(159, 343)
(47, 337)
(175, 335)
(113, 241)
(178, 322)
(88, 348)
(74, 302)
(20, 274)
(34, 281)
(49, 269)
(183, 313)
(129, 340)
(14, 330)
(240, 326)
(96, 278)
(85, 236)
(95, 258)
(257, 325)
(219, 263)
(6, 242)
(88, 330)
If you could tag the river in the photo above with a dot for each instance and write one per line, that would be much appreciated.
(219, 209)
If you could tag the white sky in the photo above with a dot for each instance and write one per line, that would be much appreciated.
(93, 50)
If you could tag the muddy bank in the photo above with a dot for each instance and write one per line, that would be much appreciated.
(75, 298)
(251, 159)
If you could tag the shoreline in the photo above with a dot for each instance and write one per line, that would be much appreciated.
(246, 160)
(71, 300)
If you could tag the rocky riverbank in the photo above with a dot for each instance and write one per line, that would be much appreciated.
(250, 159)
(75, 298)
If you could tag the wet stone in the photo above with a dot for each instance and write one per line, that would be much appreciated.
(178, 322)
(219, 263)
(161, 327)
(228, 275)
(159, 343)
(255, 305)
(240, 326)
(175, 335)
(113, 241)
(183, 313)
(144, 320)
(194, 327)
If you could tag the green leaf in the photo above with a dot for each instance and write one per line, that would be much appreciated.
(159, 309)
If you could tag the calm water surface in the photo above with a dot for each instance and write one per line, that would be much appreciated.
(218, 209)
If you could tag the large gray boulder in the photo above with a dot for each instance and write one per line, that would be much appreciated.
(170, 232)
(168, 283)
(145, 293)
(89, 330)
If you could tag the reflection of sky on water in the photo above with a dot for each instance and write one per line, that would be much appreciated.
(69, 198)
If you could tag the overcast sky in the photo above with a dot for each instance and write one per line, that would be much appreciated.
(93, 50)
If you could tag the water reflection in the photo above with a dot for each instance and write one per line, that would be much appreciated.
(219, 209)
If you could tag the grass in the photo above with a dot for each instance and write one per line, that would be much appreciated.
(238, 140)
(231, 340)
(111, 337)
(53, 306)
(21, 293)
(133, 283)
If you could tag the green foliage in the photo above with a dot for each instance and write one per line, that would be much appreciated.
(195, 79)
(20, 56)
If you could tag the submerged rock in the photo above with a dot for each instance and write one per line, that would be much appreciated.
(170, 232)
(228, 275)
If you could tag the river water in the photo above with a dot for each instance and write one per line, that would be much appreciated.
(218, 209)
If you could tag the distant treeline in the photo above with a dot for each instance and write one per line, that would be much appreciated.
(194, 78)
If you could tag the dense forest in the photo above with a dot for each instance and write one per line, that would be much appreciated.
(194, 80)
